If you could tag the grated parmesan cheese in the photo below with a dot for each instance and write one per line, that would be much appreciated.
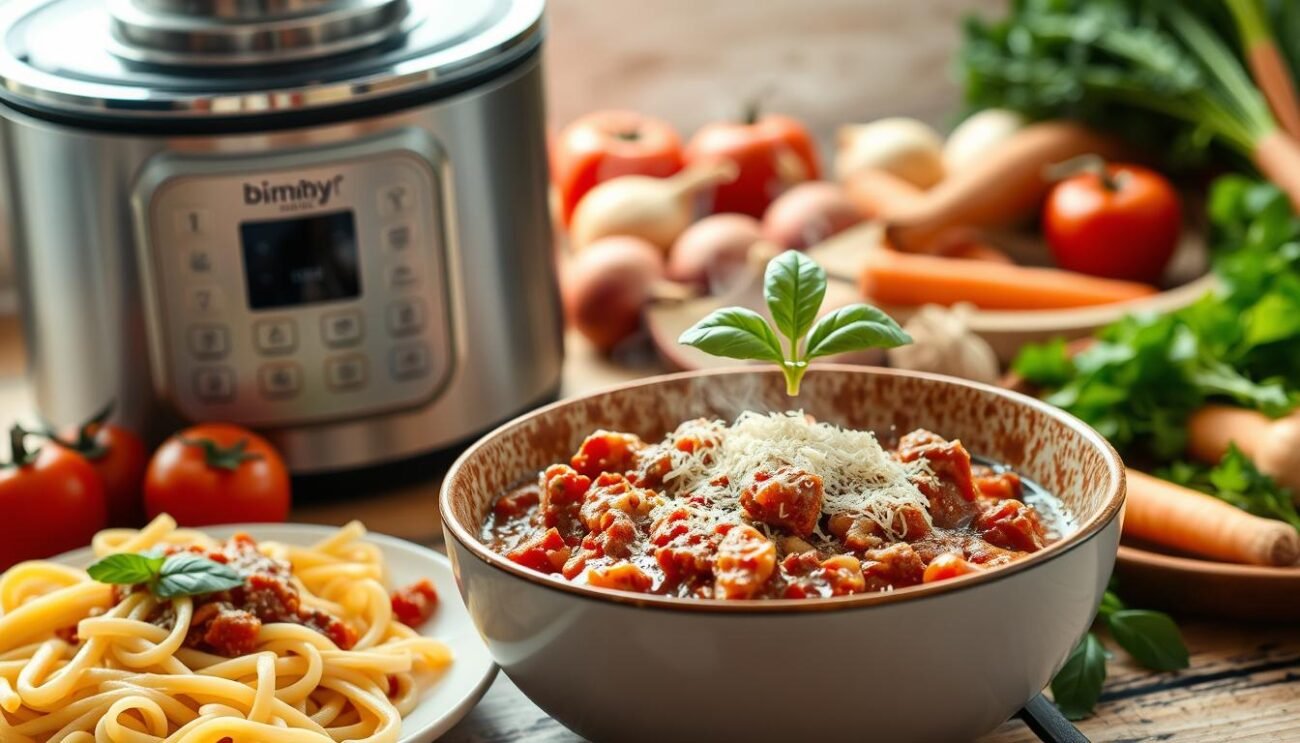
(859, 477)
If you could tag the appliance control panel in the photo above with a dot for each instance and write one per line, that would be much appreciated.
(295, 288)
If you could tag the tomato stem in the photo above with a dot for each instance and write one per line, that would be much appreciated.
(20, 455)
(227, 458)
(85, 443)
(1091, 164)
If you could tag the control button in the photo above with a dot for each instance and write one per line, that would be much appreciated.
(279, 380)
(275, 337)
(342, 329)
(200, 262)
(409, 362)
(395, 199)
(209, 342)
(398, 238)
(405, 317)
(205, 301)
(193, 221)
(346, 372)
(215, 384)
(402, 276)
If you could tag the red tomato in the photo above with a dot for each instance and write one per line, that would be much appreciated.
(414, 604)
(772, 153)
(948, 565)
(608, 144)
(119, 456)
(1125, 225)
(52, 501)
(216, 473)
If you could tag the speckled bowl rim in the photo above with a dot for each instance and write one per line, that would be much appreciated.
(1111, 506)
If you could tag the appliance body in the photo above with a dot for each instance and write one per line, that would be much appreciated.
(361, 282)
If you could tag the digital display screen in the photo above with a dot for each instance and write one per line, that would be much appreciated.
(299, 261)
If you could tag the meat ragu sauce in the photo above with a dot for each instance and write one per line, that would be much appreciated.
(227, 622)
(618, 515)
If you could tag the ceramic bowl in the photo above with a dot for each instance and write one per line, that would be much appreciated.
(941, 662)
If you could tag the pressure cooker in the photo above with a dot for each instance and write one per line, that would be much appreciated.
(322, 219)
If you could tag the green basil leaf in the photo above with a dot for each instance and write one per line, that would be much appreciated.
(1151, 637)
(1077, 686)
(736, 333)
(191, 575)
(794, 286)
(126, 569)
(853, 328)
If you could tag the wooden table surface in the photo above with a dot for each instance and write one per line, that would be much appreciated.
(1243, 683)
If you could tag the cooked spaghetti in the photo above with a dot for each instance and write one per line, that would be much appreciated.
(310, 648)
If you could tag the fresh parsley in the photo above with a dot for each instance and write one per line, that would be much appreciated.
(183, 574)
(1151, 637)
(794, 287)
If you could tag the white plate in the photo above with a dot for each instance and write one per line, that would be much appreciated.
(472, 670)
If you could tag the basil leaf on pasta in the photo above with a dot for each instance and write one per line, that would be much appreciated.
(191, 575)
(126, 569)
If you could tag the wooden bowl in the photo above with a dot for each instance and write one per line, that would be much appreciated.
(1216, 589)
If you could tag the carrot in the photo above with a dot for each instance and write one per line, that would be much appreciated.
(1267, 65)
(1007, 186)
(878, 194)
(1272, 445)
(1170, 515)
(1277, 155)
(904, 279)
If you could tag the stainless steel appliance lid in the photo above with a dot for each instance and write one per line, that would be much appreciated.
(198, 59)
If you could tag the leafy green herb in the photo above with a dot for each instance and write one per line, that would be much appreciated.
(794, 287)
(1077, 686)
(1236, 480)
(1151, 637)
(184, 574)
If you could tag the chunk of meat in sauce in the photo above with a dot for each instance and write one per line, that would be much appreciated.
(788, 498)
(546, 552)
(897, 565)
(1012, 525)
(809, 575)
(562, 491)
(517, 503)
(227, 622)
(995, 485)
(623, 576)
(746, 559)
(949, 487)
(613, 494)
(414, 604)
(607, 451)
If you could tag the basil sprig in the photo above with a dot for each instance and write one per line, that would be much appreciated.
(1151, 637)
(183, 574)
(794, 287)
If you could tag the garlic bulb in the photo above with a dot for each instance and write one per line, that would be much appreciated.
(906, 148)
(942, 343)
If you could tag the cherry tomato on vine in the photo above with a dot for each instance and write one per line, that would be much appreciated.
(1114, 220)
(772, 152)
(52, 501)
(119, 456)
(217, 473)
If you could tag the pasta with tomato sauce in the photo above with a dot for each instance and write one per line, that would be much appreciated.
(308, 647)
(772, 506)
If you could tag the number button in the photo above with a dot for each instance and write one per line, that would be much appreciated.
(395, 199)
(214, 384)
(199, 262)
(397, 239)
(405, 317)
(205, 301)
(209, 342)
(346, 372)
(402, 276)
(409, 362)
(280, 380)
(342, 329)
(275, 337)
(193, 221)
